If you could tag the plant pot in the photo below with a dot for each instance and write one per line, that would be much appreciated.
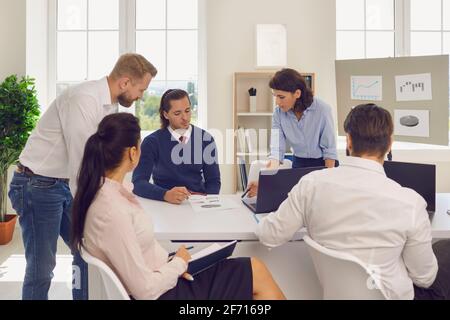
(7, 229)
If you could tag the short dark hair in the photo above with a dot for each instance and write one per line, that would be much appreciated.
(291, 80)
(370, 128)
(169, 95)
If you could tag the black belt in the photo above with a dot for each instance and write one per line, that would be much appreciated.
(22, 169)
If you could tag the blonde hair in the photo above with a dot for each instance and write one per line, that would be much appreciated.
(133, 65)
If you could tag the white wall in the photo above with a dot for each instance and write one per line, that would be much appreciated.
(37, 47)
(12, 38)
(230, 28)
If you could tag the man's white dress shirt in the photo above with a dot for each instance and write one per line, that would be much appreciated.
(356, 209)
(55, 147)
(178, 133)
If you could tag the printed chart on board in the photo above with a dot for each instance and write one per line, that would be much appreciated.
(369, 88)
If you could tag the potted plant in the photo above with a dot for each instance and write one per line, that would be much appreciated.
(19, 112)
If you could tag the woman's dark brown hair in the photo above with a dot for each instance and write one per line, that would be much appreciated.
(291, 80)
(103, 152)
(370, 128)
(167, 97)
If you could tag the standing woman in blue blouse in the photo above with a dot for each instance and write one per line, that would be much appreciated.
(303, 120)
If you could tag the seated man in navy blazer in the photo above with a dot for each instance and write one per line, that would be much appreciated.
(180, 157)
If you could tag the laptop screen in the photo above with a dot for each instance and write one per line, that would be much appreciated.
(274, 186)
(417, 176)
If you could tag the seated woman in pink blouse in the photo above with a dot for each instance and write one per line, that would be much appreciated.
(110, 224)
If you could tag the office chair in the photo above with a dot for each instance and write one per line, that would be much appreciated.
(343, 276)
(103, 282)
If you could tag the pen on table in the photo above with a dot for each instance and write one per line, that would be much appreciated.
(173, 253)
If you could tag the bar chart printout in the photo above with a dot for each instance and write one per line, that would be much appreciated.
(413, 87)
(369, 88)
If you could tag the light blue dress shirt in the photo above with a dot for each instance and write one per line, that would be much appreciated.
(312, 136)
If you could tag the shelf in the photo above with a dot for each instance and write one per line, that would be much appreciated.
(265, 154)
(252, 114)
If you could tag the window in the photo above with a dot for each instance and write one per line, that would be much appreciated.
(89, 36)
(169, 39)
(87, 40)
(430, 28)
(365, 29)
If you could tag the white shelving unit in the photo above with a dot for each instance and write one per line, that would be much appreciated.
(254, 114)
(260, 121)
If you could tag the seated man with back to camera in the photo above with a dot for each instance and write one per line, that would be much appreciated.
(356, 209)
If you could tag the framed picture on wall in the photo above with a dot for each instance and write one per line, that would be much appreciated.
(271, 46)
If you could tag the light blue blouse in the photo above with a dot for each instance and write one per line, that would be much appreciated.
(312, 136)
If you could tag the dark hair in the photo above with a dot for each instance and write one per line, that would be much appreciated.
(291, 80)
(169, 95)
(370, 128)
(103, 151)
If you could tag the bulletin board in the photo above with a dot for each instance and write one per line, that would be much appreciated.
(415, 90)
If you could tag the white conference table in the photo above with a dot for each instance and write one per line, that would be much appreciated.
(290, 264)
(180, 222)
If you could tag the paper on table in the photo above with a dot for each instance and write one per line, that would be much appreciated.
(211, 203)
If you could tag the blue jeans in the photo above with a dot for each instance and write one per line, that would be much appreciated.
(43, 205)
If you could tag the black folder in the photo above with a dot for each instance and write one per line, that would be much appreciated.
(198, 265)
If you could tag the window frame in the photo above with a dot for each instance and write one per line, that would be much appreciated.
(365, 30)
(403, 31)
(127, 43)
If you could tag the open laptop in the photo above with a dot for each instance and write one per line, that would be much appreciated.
(273, 188)
(417, 176)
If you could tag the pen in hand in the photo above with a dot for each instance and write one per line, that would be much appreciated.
(183, 253)
(245, 192)
(171, 254)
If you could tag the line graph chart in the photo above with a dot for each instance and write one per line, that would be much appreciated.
(367, 88)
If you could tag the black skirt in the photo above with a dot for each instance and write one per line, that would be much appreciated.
(229, 279)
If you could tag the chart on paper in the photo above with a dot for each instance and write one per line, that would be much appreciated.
(367, 88)
(413, 87)
(211, 203)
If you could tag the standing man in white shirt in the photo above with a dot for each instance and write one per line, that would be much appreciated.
(39, 190)
(356, 209)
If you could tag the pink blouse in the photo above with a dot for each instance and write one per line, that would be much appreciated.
(119, 232)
